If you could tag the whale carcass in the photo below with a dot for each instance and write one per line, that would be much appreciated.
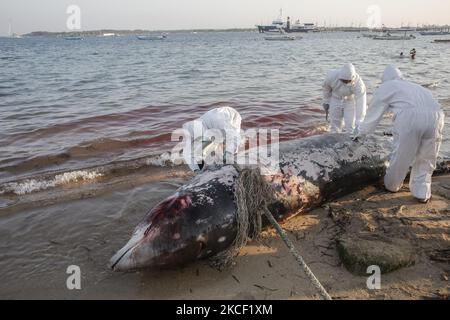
(200, 219)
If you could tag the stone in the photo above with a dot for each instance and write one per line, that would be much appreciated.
(358, 252)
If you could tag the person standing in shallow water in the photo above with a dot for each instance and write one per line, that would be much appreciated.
(413, 53)
(344, 97)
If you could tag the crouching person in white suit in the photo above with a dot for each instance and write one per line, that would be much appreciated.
(344, 97)
(214, 138)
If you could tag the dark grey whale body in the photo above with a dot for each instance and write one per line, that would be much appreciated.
(199, 221)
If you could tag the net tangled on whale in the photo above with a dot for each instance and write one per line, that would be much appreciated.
(252, 194)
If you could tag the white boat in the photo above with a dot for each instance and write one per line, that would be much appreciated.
(389, 36)
(281, 38)
(303, 27)
(109, 35)
(288, 27)
(73, 38)
(13, 35)
(150, 37)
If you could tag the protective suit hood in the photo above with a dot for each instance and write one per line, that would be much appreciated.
(348, 72)
(391, 73)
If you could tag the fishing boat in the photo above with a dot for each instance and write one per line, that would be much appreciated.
(151, 37)
(441, 41)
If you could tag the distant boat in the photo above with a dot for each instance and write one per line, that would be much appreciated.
(13, 35)
(281, 38)
(389, 36)
(442, 41)
(276, 24)
(434, 33)
(279, 24)
(73, 38)
(370, 35)
(302, 27)
(109, 35)
(149, 37)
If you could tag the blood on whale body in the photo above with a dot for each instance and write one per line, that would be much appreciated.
(200, 220)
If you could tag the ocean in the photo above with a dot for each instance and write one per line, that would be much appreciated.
(89, 123)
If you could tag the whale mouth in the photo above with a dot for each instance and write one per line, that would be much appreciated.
(118, 257)
(117, 262)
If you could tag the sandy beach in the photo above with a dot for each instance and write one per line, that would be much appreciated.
(34, 266)
(94, 173)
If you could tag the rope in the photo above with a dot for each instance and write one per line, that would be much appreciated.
(252, 195)
(316, 283)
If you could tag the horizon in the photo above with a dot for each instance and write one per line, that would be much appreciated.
(52, 16)
(218, 29)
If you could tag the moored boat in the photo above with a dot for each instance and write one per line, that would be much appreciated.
(151, 37)
(73, 38)
(389, 36)
(281, 38)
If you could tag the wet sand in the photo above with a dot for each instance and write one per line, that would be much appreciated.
(38, 244)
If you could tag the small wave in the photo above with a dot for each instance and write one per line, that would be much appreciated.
(33, 185)
(47, 181)
(432, 85)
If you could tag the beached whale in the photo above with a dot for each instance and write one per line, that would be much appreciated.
(200, 219)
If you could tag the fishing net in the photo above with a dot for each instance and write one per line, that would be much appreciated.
(252, 194)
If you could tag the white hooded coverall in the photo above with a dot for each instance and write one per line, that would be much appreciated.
(418, 125)
(348, 102)
(204, 139)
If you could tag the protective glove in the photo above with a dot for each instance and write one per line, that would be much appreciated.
(326, 107)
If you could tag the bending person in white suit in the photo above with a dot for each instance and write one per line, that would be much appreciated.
(215, 137)
(418, 127)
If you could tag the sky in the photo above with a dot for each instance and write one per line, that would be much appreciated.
(50, 15)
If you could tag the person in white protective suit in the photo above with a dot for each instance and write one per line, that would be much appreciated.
(418, 125)
(344, 97)
(214, 137)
